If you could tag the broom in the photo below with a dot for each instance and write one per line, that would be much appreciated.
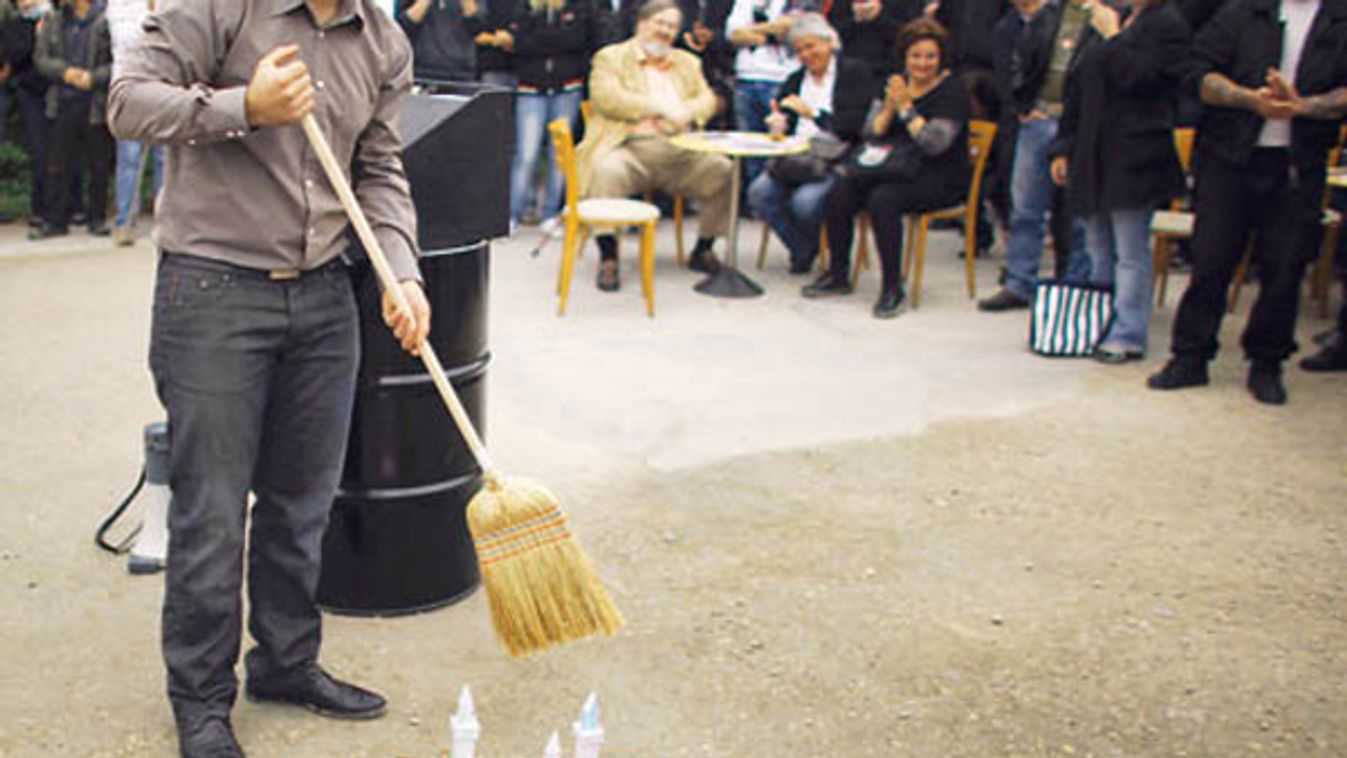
(540, 585)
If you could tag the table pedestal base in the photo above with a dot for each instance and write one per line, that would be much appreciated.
(728, 282)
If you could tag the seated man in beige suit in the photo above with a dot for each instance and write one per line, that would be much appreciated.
(643, 92)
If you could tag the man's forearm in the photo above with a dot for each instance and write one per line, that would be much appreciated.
(1218, 90)
(1330, 106)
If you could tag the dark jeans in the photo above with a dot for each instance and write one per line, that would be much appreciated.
(75, 145)
(258, 378)
(33, 112)
(886, 203)
(1280, 206)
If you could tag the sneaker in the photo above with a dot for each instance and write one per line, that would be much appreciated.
(1181, 371)
(887, 304)
(1003, 300)
(1115, 354)
(124, 236)
(1265, 382)
(827, 285)
(530, 218)
(99, 229)
(549, 226)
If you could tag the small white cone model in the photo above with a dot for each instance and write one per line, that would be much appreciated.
(588, 730)
(465, 727)
(553, 749)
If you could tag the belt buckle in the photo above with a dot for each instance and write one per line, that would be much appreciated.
(283, 274)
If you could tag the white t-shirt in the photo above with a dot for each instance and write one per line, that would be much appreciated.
(817, 94)
(760, 63)
(1296, 17)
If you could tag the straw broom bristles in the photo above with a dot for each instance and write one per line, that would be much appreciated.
(540, 585)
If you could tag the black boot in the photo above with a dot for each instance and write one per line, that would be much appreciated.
(887, 304)
(1181, 371)
(829, 284)
(1265, 382)
(1331, 357)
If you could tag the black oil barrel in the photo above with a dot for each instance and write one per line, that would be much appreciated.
(397, 541)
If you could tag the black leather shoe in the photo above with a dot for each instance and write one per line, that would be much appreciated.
(887, 304)
(704, 261)
(79, 218)
(608, 279)
(1265, 382)
(100, 229)
(318, 691)
(827, 285)
(1181, 371)
(801, 267)
(47, 231)
(1003, 300)
(1332, 357)
(210, 738)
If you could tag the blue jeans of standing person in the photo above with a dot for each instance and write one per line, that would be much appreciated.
(794, 213)
(532, 113)
(1119, 242)
(258, 378)
(1030, 197)
(127, 182)
(752, 105)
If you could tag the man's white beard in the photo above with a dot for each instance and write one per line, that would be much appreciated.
(657, 50)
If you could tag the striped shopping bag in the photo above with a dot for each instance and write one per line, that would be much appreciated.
(1069, 320)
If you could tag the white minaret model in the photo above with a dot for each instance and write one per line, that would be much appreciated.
(553, 749)
(588, 730)
(465, 727)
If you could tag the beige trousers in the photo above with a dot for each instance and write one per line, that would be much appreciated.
(643, 164)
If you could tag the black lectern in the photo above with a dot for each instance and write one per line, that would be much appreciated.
(397, 541)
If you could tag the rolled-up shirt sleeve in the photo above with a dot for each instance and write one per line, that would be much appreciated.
(381, 183)
(159, 90)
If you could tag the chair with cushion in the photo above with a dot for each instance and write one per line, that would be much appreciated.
(981, 134)
(580, 217)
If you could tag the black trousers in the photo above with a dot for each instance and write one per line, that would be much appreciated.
(886, 203)
(75, 145)
(1278, 204)
(258, 377)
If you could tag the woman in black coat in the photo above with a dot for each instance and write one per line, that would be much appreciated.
(915, 159)
(826, 98)
(1115, 154)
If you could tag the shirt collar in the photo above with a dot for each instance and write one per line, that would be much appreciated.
(348, 11)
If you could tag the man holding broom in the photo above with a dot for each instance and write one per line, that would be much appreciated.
(254, 339)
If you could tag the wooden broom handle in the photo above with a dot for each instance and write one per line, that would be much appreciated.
(391, 285)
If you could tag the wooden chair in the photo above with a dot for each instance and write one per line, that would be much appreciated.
(822, 246)
(1176, 223)
(586, 109)
(580, 217)
(1321, 275)
(981, 134)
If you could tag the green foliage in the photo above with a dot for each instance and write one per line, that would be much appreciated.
(14, 169)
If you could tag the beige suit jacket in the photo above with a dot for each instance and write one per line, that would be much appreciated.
(619, 99)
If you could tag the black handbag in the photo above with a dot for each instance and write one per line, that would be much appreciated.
(808, 167)
(882, 162)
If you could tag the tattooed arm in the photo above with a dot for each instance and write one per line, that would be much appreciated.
(1219, 91)
(1330, 106)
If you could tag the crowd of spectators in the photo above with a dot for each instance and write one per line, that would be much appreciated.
(1085, 95)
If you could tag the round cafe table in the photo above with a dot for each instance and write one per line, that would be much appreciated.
(728, 281)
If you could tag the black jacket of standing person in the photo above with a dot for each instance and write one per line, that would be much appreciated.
(1242, 42)
(852, 94)
(868, 41)
(970, 24)
(18, 40)
(552, 45)
(495, 16)
(1117, 127)
(443, 48)
(1198, 12)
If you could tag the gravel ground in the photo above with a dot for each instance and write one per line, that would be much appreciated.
(1116, 573)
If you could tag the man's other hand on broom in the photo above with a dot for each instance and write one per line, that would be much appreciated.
(409, 328)
(281, 91)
